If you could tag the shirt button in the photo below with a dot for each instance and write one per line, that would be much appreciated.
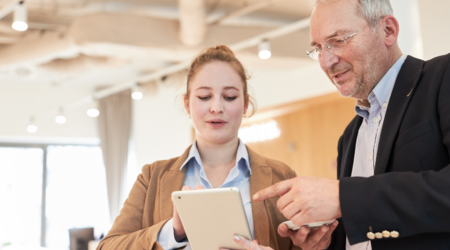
(375, 120)
(370, 157)
(385, 105)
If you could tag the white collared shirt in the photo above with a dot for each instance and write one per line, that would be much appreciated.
(239, 177)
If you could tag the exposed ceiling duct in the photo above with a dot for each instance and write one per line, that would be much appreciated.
(192, 21)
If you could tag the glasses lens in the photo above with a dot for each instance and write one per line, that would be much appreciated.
(336, 44)
(313, 53)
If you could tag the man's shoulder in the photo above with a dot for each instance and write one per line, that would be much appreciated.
(438, 63)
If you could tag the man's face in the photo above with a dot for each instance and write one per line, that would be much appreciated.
(356, 69)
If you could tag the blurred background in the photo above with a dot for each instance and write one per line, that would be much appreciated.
(91, 90)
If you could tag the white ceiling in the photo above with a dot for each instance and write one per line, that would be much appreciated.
(90, 44)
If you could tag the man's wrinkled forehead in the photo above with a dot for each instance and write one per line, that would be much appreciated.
(330, 19)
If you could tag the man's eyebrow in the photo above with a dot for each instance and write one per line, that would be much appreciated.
(336, 33)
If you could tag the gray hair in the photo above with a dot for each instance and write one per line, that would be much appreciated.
(371, 10)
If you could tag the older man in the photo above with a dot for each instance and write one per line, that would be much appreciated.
(393, 190)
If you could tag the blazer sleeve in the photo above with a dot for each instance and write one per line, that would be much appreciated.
(127, 232)
(410, 203)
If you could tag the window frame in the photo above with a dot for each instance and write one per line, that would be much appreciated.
(44, 147)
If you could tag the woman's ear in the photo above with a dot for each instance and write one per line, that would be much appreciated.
(186, 104)
(247, 100)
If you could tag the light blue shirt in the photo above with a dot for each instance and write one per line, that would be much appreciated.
(239, 177)
(370, 130)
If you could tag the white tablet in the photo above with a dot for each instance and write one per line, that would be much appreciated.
(211, 217)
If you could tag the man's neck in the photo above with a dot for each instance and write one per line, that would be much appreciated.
(390, 61)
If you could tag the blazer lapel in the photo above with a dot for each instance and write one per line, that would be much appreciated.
(402, 93)
(261, 178)
(349, 150)
(171, 181)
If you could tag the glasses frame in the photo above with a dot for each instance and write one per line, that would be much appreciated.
(317, 50)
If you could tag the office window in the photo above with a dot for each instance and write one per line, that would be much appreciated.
(21, 176)
(76, 193)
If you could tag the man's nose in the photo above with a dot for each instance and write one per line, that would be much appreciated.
(327, 59)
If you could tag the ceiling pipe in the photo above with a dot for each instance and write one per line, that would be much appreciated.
(248, 9)
(192, 21)
(9, 7)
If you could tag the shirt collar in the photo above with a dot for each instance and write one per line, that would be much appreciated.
(383, 90)
(241, 155)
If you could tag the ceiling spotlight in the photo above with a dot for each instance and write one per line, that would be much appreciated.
(32, 128)
(264, 49)
(137, 94)
(20, 17)
(60, 119)
(93, 112)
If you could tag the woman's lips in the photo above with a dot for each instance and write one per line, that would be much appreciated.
(217, 123)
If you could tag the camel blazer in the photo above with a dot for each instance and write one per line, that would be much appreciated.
(149, 205)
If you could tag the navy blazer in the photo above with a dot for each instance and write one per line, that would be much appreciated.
(410, 190)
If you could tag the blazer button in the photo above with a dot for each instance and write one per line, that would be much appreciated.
(371, 235)
(378, 235)
(386, 234)
(394, 234)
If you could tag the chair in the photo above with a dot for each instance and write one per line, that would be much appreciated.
(80, 237)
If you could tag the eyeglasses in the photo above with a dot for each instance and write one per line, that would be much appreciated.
(333, 44)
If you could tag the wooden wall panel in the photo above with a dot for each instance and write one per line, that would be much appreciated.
(310, 130)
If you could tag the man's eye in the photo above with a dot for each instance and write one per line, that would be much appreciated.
(204, 98)
(228, 98)
(338, 41)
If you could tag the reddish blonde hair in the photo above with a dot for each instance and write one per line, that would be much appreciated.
(223, 54)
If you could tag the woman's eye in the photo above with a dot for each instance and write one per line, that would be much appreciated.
(204, 98)
(230, 98)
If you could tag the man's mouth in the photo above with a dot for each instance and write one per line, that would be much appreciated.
(337, 76)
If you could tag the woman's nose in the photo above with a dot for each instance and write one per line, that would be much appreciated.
(216, 106)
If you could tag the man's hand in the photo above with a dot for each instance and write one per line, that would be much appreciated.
(178, 228)
(305, 199)
(309, 239)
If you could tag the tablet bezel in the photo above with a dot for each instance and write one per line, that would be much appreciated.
(211, 217)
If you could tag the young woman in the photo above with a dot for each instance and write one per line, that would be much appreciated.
(216, 100)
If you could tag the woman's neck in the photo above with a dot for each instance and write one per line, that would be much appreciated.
(217, 159)
(217, 155)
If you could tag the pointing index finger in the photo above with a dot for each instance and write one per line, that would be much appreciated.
(279, 188)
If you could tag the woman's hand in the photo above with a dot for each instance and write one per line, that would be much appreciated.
(249, 245)
(178, 228)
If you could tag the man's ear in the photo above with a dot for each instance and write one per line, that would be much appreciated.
(186, 104)
(390, 29)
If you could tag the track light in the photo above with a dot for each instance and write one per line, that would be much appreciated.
(137, 94)
(264, 49)
(20, 17)
(93, 112)
(60, 119)
(32, 128)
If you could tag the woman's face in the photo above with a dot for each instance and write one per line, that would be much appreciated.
(216, 102)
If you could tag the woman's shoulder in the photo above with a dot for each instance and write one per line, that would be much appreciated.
(159, 167)
(279, 166)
